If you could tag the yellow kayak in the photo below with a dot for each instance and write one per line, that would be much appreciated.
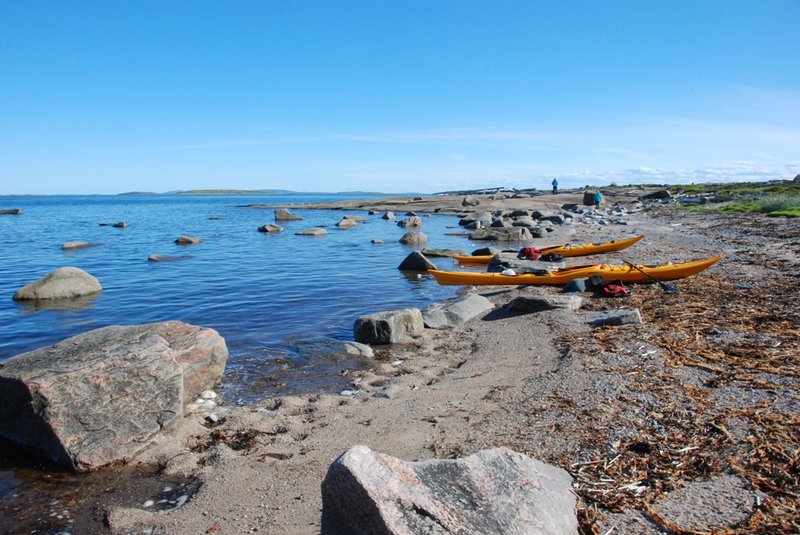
(565, 250)
(562, 276)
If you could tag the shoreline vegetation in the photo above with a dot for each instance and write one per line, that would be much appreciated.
(686, 423)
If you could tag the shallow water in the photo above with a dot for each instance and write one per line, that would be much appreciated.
(260, 291)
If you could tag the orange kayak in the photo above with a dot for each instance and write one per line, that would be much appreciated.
(562, 276)
(565, 250)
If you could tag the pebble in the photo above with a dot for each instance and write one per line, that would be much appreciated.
(396, 362)
(208, 394)
(348, 393)
(148, 503)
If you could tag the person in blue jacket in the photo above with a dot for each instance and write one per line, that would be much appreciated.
(598, 198)
(555, 186)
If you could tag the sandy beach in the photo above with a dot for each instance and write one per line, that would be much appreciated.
(685, 424)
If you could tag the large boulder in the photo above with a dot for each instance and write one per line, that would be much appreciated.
(493, 491)
(416, 261)
(485, 218)
(588, 198)
(388, 215)
(105, 395)
(283, 214)
(544, 301)
(469, 200)
(63, 283)
(461, 310)
(391, 327)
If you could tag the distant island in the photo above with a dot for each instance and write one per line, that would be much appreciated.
(251, 192)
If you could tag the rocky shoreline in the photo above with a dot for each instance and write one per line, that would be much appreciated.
(674, 424)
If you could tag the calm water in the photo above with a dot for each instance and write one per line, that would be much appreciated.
(259, 291)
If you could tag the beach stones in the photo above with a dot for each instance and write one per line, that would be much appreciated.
(391, 327)
(105, 395)
(63, 283)
(615, 318)
(493, 491)
(388, 215)
(283, 214)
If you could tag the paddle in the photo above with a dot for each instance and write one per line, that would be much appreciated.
(664, 286)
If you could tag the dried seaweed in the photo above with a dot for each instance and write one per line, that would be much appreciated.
(748, 339)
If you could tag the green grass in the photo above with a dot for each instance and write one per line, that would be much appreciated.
(780, 204)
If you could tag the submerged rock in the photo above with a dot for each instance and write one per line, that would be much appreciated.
(187, 240)
(105, 395)
(74, 245)
(12, 211)
(346, 222)
(63, 283)
(493, 491)
(314, 231)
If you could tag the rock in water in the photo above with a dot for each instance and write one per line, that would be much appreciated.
(283, 214)
(63, 283)
(187, 240)
(74, 245)
(270, 228)
(416, 261)
(104, 395)
(493, 491)
(414, 238)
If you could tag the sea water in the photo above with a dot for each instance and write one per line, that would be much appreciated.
(262, 292)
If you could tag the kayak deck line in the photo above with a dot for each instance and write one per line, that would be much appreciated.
(562, 276)
(566, 250)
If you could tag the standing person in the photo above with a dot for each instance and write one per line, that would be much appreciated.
(598, 197)
(555, 186)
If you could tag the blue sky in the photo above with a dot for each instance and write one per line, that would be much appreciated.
(394, 96)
